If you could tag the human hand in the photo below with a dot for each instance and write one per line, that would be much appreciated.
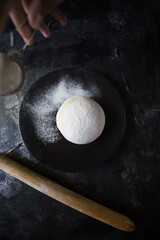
(35, 11)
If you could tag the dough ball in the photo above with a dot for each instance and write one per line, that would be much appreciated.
(80, 120)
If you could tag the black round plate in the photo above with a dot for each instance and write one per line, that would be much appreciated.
(64, 155)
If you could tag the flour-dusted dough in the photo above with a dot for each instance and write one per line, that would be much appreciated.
(80, 120)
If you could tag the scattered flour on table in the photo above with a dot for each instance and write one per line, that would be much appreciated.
(9, 122)
(46, 105)
(9, 186)
(12, 104)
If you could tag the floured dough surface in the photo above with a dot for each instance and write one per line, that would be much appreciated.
(80, 119)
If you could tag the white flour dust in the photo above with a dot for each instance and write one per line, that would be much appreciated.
(9, 122)
(46, 105)
(9, 186)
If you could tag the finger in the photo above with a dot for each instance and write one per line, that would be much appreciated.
(34, 12)
(44, 29)
(17, 15)
(59, 15)
(36, 5)
(24, 31)
(37, 10)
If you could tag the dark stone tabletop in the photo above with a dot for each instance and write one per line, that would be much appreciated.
(120, 39)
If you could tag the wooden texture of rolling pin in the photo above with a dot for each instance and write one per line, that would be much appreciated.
(65, 195)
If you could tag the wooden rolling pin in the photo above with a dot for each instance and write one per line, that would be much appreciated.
(65, 195)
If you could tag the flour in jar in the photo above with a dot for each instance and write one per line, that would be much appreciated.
(46, 105)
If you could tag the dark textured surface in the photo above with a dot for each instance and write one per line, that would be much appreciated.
(122, 40)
